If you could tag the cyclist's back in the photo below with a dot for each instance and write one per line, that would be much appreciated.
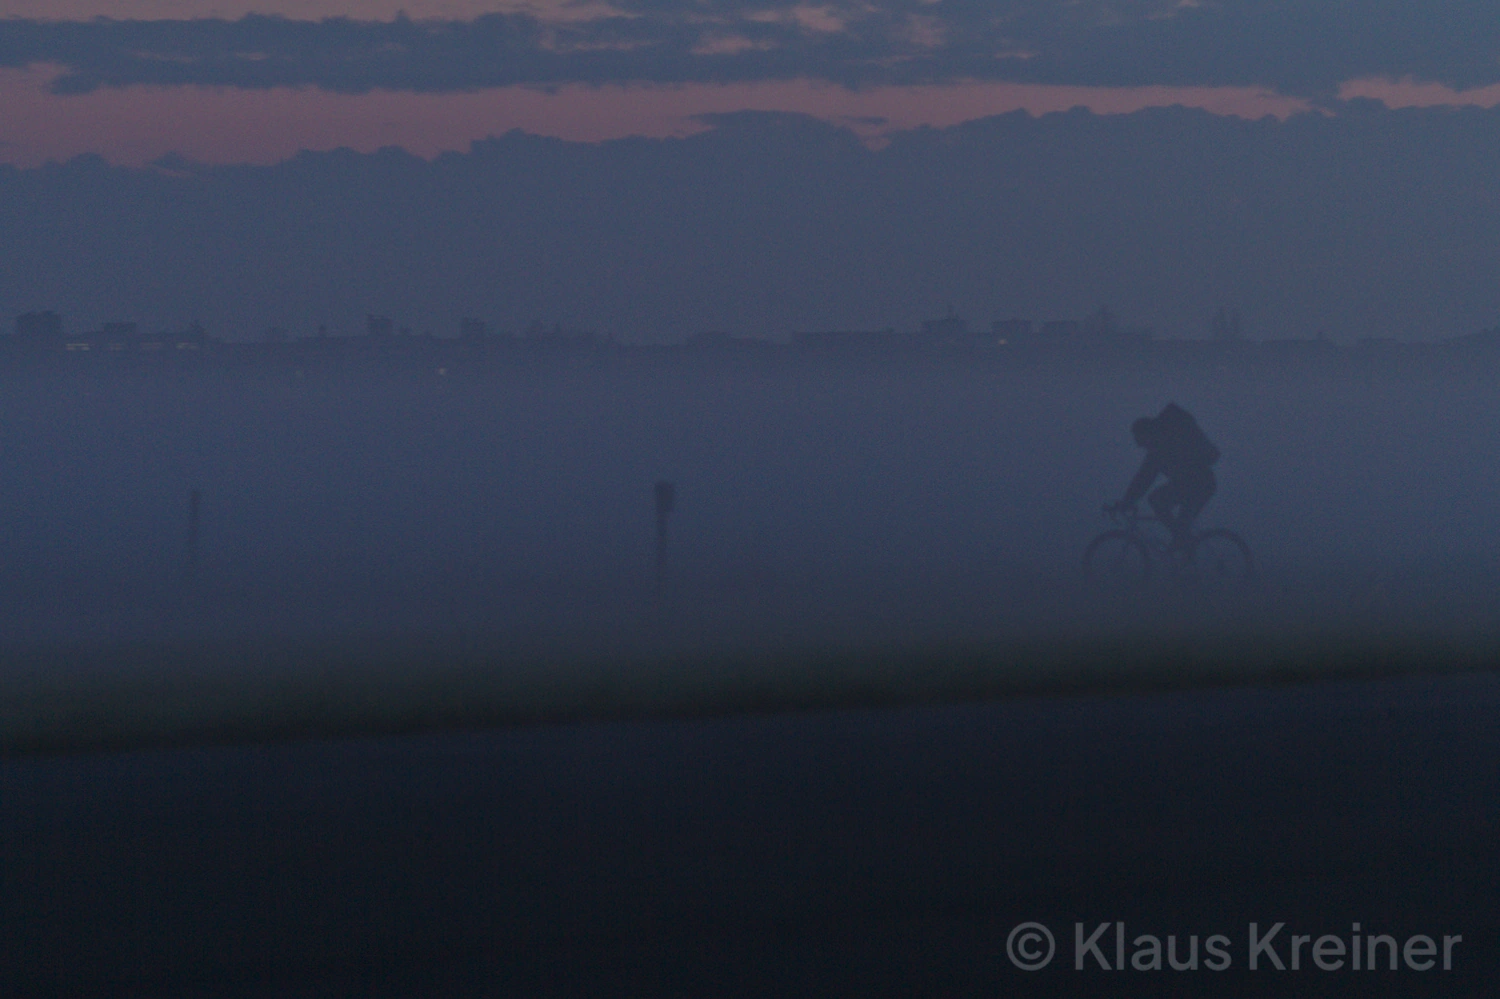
(1181, 444)
(1178, 450)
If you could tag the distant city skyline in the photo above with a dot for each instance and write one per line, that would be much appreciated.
(48, 329)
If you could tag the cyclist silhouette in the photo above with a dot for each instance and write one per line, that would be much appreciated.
(1177, 449)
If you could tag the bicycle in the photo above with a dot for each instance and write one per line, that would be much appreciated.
(1126, 555)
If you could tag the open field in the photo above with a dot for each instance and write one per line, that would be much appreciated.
(389, 550)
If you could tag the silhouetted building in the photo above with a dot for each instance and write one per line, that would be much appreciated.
(1100, 325)
(556, 336)
(844, 339)
(115, 337)
(192, 338)
(721, 342)
(1101, 328)
(39, 326)
(127, 338)
(1226, 325)
(118, 336)
(950, 327)
(380, 327)
(1012, 330)
(1482, 339)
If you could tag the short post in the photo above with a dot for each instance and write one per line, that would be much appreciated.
(666, 495)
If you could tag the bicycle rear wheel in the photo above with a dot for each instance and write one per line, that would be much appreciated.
(1222, 558)
(1117, 560)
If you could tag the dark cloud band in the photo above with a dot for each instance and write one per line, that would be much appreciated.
(1304, 48)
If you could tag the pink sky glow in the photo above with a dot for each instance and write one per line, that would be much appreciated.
(1408, 93)
(312, 10)
(136, 125)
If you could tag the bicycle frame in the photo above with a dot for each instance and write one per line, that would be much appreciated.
(1131, 521)
(1231, 559)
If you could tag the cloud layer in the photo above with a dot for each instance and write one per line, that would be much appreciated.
(1369, 222)
(1307, 47)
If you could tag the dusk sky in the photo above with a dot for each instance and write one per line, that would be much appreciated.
(227, 82)
(1369, 105)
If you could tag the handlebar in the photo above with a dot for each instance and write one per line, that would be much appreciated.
(1130, 516)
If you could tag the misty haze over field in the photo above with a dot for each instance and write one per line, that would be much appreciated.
(854, 501)
(500, 511)
(1355, 222)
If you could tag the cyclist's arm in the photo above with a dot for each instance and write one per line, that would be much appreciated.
(1149, 470)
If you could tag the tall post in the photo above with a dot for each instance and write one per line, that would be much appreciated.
(195, 501)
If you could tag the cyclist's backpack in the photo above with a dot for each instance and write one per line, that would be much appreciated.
(1189, 443)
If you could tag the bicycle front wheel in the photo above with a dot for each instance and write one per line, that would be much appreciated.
(1221, 558)
(1117, 560)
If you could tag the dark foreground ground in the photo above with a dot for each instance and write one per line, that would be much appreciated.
(838, 852)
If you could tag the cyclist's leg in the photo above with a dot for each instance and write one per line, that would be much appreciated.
(1168, 503)
(1198, 487)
